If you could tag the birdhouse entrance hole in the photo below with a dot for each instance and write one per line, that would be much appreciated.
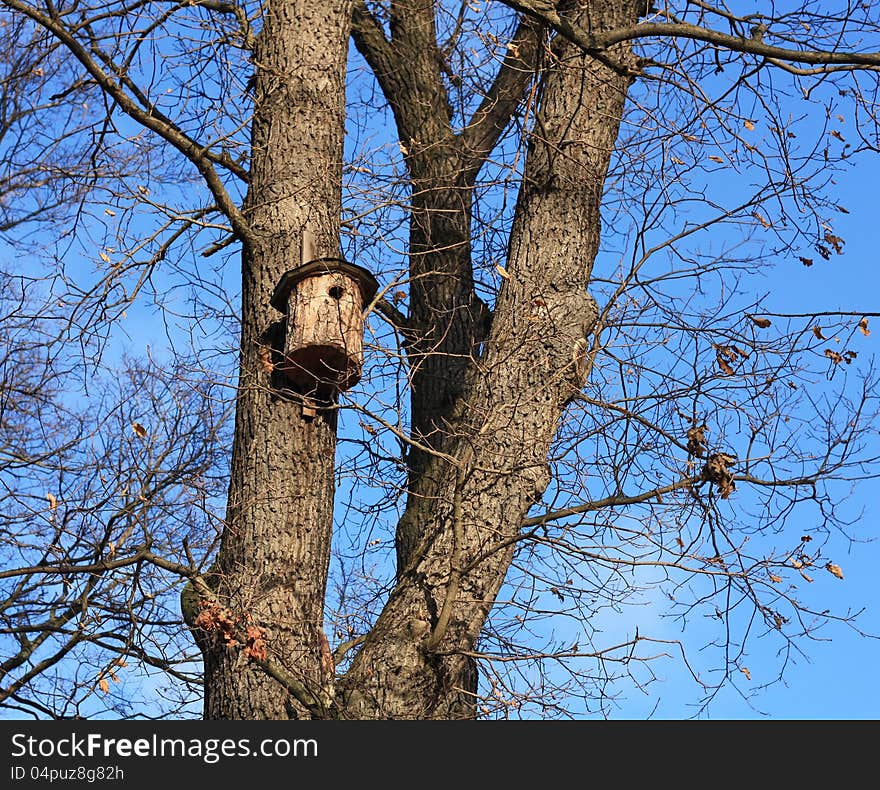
(323, 301)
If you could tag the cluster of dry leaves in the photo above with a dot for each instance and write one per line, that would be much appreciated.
(220, 620)
(696, 440)
(727, 354)
(804, 561)
(103, 682)
(717, 471)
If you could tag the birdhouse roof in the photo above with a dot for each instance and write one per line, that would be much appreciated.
(318, 267)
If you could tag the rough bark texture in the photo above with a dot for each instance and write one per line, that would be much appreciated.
(272, 566)
(445, 321)
(412, 662)
(486, 422)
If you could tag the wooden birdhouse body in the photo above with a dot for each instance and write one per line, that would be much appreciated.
(323, 344)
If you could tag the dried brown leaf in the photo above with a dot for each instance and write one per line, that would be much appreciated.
(255, 646)
(763, 323)
(327, 663)
(696, 444)
(728, 352)
(502, 271)
(775, 579)
(762, 219)
(716, 159)
(817, 331)
(139, 430)
(266, 360)
(214, 617)
(726, 488)
(750, 125)
(863, 327)
(723, 364)
(53, 502)
(835, 241)
(745, 671)
(834, 570)
(805, 261)
(104, 685)
(717, 471)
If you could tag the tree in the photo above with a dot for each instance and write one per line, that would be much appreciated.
(571, 392)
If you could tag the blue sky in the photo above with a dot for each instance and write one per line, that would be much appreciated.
(841, 679)
(837, 678)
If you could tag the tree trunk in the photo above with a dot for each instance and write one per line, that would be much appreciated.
(273, 562)
(445, 321)
(411, 664)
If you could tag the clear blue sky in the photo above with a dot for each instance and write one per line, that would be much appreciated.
(837, 678)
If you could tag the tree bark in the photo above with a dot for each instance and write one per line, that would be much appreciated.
(495, 468)
(447, 321)
(273, 563)
(444, 321)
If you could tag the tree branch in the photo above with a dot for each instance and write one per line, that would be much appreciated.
(752, 46)
(148, 116)
(597, 43)
(370, 41)
(497, 108)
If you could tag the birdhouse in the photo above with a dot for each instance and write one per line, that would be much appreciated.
(323, 301)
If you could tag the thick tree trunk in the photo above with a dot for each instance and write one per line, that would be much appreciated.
(273, 562)
(411, 664)
(446, 326)
(445, 321)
